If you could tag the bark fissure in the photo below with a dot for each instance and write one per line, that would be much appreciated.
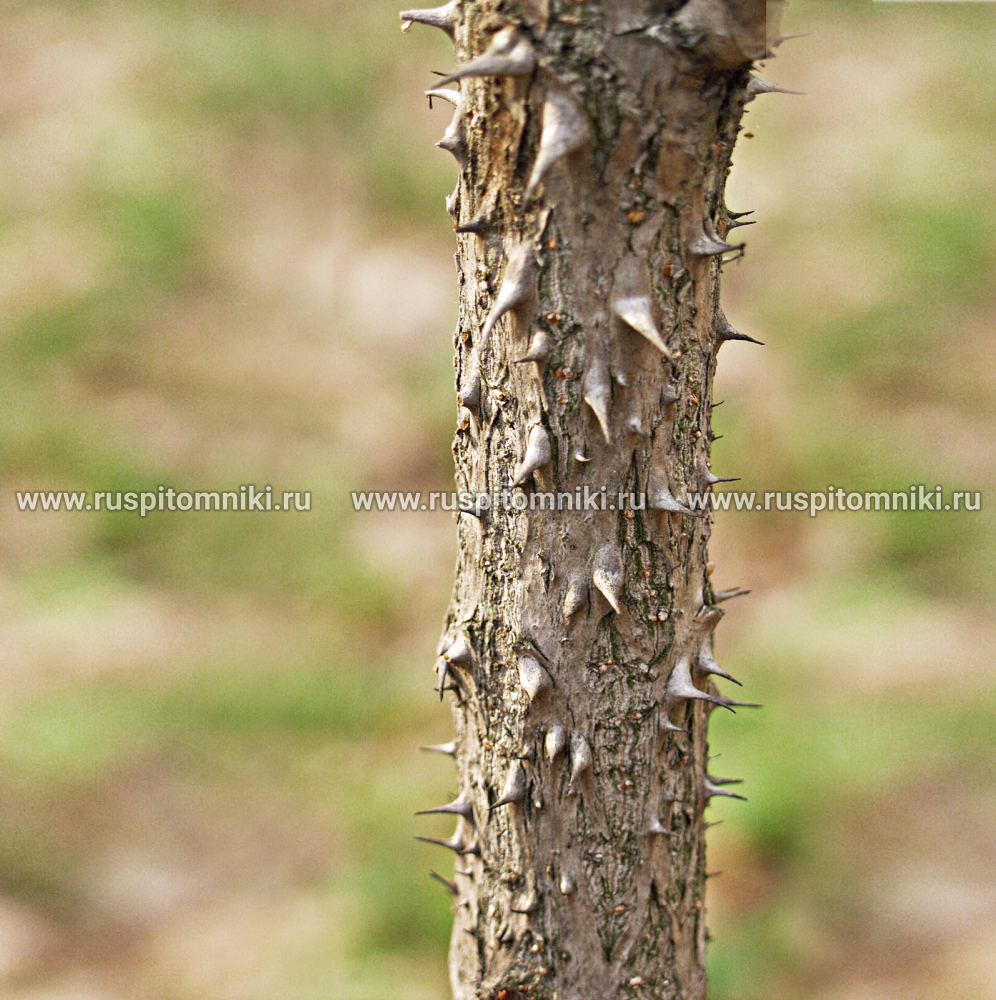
(593, 141)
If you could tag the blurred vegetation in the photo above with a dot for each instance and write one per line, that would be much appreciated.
(225, 260)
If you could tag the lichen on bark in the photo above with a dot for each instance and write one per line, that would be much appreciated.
(593, 141)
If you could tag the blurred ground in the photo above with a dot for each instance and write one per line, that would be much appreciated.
(224, 259)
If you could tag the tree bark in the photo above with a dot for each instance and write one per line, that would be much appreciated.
(593, 140)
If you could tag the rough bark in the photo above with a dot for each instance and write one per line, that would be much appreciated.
(593, 141)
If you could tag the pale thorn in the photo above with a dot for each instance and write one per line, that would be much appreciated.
(724, 781)
(514, 289)
(444, 94)
(657, 828)
(580, 456)
(707, 665)
(566, 884)
(446, 748)
(597, 391)
(470, 393)
(632, 302)
(712, 479)
(607, 575)
(736, 224)
(575, 598)
(778, 39)
(705, 245)
(444, 17)
(451, 886)
(725, 331)
(669, 727)
(637, 313)
(660, 498)
(454, 140)
(527, 903)
(680, 687)
(728, 595)
(565, 130)
(668, 395)
(459, 807)
(509, 54)
(635, 426)
(580, 757)
(711, 790)
(539, 348)
(515, 785)
(555, 742)
(459, 653)
(533, 676)
(456, 843)
(756, 86)
(537, 454)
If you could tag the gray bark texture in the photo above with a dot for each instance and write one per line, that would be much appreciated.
(593, 141)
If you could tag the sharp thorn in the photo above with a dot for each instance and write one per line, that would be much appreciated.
(459, 807)
(444, 17)
(607, 575)
(712, 790)
(680, 687)
(728, 595)
(537, 455)
(597, 391)
(451, 96)
(539, 348)
(660, 498)
(725, 332)
(451, 887)
(565, 130)
(705, 245)
(515, 287)
(515, 786)
(555, 742)
(509, 54)
(533, 676)
(580, 757)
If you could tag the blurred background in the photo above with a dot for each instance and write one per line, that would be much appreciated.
(224, 259)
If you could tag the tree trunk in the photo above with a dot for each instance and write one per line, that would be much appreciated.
(593, 140)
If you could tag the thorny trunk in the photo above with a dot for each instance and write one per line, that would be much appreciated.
(593, 141)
